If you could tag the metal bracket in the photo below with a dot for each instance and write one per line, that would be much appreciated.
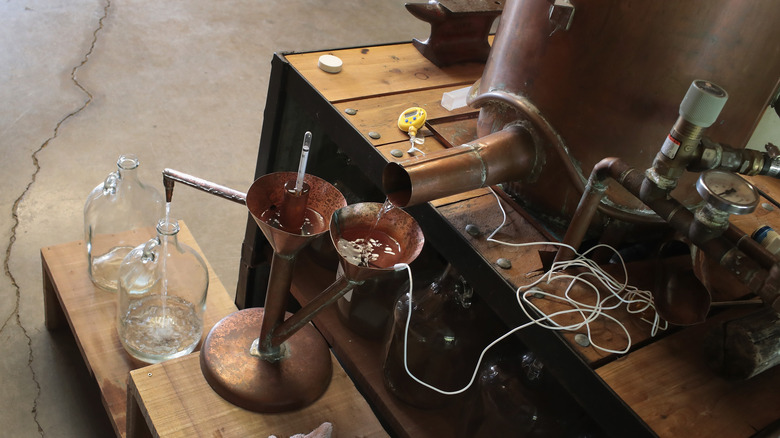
(561, 14)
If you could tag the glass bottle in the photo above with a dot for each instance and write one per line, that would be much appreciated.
(516, 396)
(162, 297)
(120, 214)
(447, 332)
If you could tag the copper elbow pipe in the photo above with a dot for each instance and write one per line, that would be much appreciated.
(506, 155)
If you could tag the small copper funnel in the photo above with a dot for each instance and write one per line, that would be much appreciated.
(395, 223)
(361, 221)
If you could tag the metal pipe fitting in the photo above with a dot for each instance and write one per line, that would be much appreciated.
(171, 176)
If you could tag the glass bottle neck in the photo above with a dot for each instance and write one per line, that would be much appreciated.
(168, 228)
(127, 166)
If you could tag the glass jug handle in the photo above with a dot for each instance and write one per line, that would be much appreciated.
(149, 253)
(109, 185)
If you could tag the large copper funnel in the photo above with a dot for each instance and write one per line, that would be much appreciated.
(610, 84)
(242, 358)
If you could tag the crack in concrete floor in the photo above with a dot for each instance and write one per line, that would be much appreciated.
(15, 317)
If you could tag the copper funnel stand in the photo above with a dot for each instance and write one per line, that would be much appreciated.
(248, 370)
(288, 366)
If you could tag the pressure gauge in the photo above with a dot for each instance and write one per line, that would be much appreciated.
(727, 192)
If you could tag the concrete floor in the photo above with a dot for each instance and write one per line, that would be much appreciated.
(182, 84)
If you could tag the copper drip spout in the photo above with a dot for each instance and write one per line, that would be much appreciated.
(506, 155)
(171, 176)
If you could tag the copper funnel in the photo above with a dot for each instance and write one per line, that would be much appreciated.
(361, 221)
(395, 223)
(268, 191)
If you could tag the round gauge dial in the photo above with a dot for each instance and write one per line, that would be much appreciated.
(727, 191)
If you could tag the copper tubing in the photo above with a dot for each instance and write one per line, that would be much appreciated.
(506, 155)
(275, 304)
(751, 271)
(753, 249)
(341, 286)
(591, 198)
(170, 176)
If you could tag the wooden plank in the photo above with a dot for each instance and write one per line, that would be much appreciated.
(373, 71)
(380, 114)
(671, 387)
(175, 397)
(91, 315)
(526, 267)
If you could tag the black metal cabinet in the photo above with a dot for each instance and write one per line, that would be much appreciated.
(341, 155)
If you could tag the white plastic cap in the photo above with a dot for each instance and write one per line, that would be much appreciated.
(703, 103)
(330, 63)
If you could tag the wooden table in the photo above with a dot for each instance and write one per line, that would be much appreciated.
(172, 398)
(662, 388)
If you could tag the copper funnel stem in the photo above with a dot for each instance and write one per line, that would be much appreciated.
(171, 176)
(506, 155)
(275, 304)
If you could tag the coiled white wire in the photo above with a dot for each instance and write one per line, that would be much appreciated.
(636, 301)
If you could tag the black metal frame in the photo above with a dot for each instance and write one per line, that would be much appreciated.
(287, 87)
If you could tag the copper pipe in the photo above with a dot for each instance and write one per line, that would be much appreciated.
(170, 176)
(752, 273)
(594, 192)
(507, 155)
(275, 304)
(341, 286)
(753, 249)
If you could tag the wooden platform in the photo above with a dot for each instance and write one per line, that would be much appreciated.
(172, 399)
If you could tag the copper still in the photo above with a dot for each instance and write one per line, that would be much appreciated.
(585, 80)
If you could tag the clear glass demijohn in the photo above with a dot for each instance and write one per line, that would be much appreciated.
(120, 214)
(162, 297)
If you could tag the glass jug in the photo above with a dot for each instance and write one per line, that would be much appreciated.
(447, 332)
(119, 215)
(162, 297)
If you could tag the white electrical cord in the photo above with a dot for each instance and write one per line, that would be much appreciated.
(636, 301)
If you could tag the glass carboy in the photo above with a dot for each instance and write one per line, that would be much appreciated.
(162, 297)
(120, 214)
(447, 330)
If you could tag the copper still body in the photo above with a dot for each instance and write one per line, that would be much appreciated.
(604, 78)
(609, 85)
